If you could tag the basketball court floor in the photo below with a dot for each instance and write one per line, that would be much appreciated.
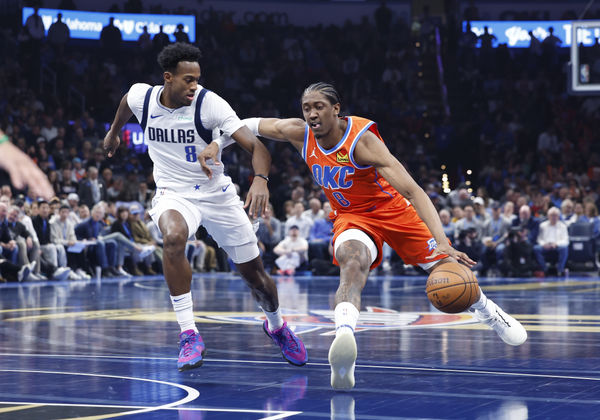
(107, 348)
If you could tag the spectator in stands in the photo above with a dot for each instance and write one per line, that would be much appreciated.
(447, 224)
(111, 39)
(468, 222)
(481, 213)
(90, 229)
(320, 235)
(567, 211)
(519, 259)
(144, 41)
(495, 232)
(553, 242)
(142, 236)
(530, 224)
(92, 189)
(468, 242)
(269, 235)
(315, 211)
(160, 40)
(180, 35)
(62, 233)
(29, 249)
(578, 216)
(292, 251)
(78, 171)
(591, 212)
(299, 220)
(508, 212)
(10, 249)
(58, 35)
(54, 257)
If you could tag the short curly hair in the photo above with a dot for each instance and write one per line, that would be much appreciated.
(174, 53)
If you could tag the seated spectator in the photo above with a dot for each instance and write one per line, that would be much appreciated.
(567, 209)
(54, 256)
(479, 208)
(292, 251)
(529, 223)
(447, 224)
(468, 242)
(299, 220)
(10, 249)
(142, 236)
(315, 210)
(508, 212)
(591, 211)
(495, 231)
(468, 222)
(62, 232)
(553, 242)
(578, 215)
(29, 249)
(518, 259)
(269, 235)
(123, 226)
(321, 235)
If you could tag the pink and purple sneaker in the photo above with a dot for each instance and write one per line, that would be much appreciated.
(191, 350)
(292, 348)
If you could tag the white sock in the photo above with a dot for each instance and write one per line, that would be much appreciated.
(274, 319)
(182, 305)
(481, 304)
(346, 316)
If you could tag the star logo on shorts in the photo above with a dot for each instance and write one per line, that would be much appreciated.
(196, 187)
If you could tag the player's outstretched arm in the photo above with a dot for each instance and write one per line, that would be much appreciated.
(290, 129)
(372, 151)
(22, 170)
(111, 140)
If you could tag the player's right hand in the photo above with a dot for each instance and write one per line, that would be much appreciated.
(111, 143)
(210, 152)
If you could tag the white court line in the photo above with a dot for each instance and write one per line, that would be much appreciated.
(192, 393)
(279, 415)
(267, 362)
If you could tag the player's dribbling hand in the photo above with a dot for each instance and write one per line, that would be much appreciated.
(461, 257)
(111, 144)
(257, 198)
(210, 152)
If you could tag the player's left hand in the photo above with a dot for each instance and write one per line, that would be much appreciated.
(257, 198)
(446, 249)
(210, 152)
(24, 172)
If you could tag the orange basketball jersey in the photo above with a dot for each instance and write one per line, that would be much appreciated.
(350, 187)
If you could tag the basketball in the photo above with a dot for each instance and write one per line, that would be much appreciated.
(452, 288)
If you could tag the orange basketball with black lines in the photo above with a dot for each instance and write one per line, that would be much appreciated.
(452, 288)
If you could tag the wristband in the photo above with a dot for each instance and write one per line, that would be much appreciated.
(266, 178)
(3, 139)
(224, 141)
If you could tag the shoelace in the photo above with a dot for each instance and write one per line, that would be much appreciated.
(291, 342)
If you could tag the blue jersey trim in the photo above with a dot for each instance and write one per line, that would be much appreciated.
(203, 132)
(161, 105)
(355, 142)
(144, 121)
(341, 142)
(305, 142)
(379, 185)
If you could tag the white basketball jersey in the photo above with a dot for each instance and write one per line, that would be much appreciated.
(175, 137)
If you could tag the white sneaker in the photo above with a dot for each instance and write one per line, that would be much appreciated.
(25, 272)
(74, 276)
(146, 250)
(342, 355)
(509, 329)
(123, 272)
(82, 274)
(61, 273)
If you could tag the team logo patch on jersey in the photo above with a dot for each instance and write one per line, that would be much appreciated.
(342, 157)
(432, 244)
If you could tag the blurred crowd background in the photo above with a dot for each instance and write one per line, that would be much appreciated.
(508, 157)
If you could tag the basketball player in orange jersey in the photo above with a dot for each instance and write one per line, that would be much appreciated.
(374, 200)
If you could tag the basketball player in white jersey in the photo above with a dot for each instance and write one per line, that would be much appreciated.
(179, 119)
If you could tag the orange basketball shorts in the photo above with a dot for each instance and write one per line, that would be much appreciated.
(402, 229)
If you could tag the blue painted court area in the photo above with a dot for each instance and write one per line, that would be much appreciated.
(107, 349)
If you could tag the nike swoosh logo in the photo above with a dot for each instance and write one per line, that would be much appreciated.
(225, 188)
(177, 300)
(155, 116)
